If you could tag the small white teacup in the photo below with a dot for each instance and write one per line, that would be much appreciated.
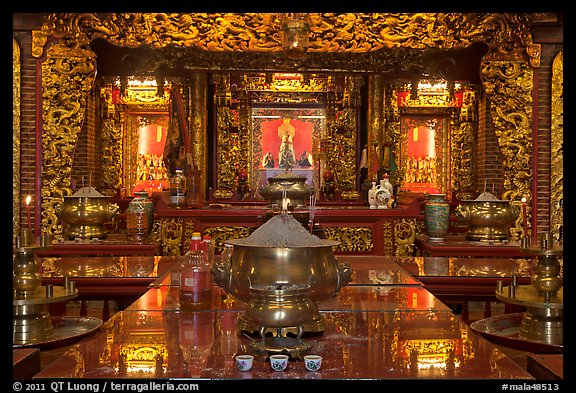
(313, 362)
(279, 362)
(244, 362)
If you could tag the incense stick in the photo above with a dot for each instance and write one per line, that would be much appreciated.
(312, 207)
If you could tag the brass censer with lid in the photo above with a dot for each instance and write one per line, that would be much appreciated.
(84, 214)
(282, 272)
(488, 217)
(290, 189)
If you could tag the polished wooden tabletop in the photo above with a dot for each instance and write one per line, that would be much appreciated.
(383, 325)
(458, 245)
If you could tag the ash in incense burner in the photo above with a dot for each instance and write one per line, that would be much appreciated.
(282, 272)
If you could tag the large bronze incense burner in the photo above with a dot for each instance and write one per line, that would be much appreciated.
(489, 218)
(282, 272)
(287, 186)
(84, 214)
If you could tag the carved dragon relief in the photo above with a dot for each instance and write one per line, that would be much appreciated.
(510, 85)
(557, 152)
(16, 87)
(68, 71)
(67, 77)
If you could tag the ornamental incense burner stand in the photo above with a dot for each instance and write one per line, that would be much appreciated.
(31, 321)
(544, 318)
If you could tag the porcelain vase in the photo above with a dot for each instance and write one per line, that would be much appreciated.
(141, 197)
(436, 216)
(372, 196)
(383, 195)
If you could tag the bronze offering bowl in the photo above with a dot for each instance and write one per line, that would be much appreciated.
(84, 216)
(488, 220)
(252, 269)
(290, 185)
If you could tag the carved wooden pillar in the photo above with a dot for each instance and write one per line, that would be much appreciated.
(67, 77)
(557, 156)
(199, 123)
(376, 122)
(509, 84)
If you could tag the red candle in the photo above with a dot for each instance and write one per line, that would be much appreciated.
(524, 217)
(28, 199)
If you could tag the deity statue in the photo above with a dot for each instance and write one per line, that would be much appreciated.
(305, 160)
(286, 157)
(268, 160)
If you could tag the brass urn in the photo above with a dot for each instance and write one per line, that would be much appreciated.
(292, 276)
(489, 220)
(83, 215)
(287, 185)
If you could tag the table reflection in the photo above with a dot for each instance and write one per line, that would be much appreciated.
(174, 344)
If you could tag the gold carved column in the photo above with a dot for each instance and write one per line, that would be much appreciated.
(67, 77)
(557, 155)
(509, 84)
(198, 123)
(16, 87)
(376, 121)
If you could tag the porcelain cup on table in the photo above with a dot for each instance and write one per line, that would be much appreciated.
(244, 362)
(313, 362)
(279, 362)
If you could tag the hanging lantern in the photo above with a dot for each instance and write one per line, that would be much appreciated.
(295, 34)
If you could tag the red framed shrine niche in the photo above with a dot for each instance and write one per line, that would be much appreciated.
(425, 153)
(283, 140)
(147, 132)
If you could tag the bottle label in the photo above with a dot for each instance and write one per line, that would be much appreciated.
(196, 328)
(195, 281)
(181, 198)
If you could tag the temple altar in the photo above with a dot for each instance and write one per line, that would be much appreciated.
(384, 325)
(360, 230)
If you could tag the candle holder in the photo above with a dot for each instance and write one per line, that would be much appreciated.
(25, 239)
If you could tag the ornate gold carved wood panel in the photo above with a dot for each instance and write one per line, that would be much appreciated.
(557, 150)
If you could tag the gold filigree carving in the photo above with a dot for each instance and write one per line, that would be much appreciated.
(16, 87)
(507, 36)
(171, 235)
(388, 238)
(111, 157)
(198, 123)
(261, 32)
(352, 239)
(350, 195)
(222, 234)
(145, 98)
(510, 85)
(405, 233)
(462, 146)
(557, 150)
(223, 194)
(67, 77)
(341, 137)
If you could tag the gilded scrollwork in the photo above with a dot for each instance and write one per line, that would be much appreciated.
(221, 234)
(462, 154)
(16, 86)
(352, 239)
(405, 233)
(510, 85)
(171, 236)
(557, 150)
(68, 71)
(388, 237)
(261, 32)
(111, 177)
(67, 77)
